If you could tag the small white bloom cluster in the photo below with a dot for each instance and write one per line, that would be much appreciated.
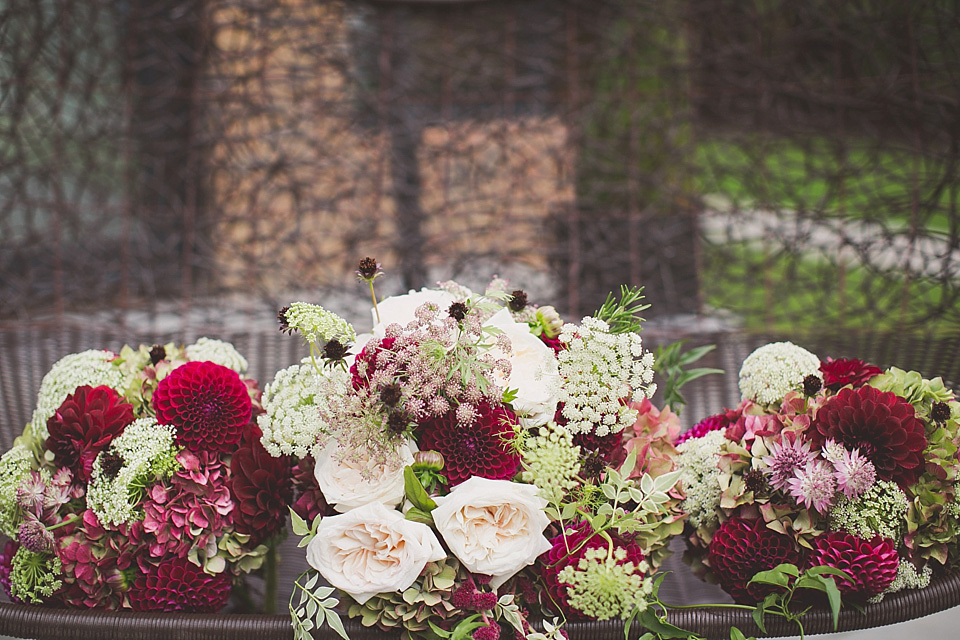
(551, 462)
(142, 443)
(292, 424)
(217, 352)
(602, 588)
(907, 578)
(880, 510)
(598, 371)
(771, 371)
(700, 478)
(317, 325)
(91, 368)
(14, 465)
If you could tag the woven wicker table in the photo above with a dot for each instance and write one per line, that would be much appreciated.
(24, 621)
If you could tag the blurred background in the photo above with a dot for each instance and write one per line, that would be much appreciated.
(764, 168)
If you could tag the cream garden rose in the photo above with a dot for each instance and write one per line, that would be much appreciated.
(372, 549)
(494, 527)
(348, 482)
(534, 371)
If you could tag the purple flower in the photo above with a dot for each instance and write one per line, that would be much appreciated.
(785, 459)
(814, 485)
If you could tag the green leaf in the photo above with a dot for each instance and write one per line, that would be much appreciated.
(652, 622)
(298, 524)
(736, 634)
(774, 577)
(335, 623)
(415, 492)
(833, 596)
(418, 515)
(825, 570)
(312, 582)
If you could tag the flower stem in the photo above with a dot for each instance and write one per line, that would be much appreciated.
(270, 582)
(373, 297)
(69, 520)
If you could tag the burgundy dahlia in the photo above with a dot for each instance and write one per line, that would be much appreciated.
(740, 548)
(481, 448)
(179, 585)
(608, 448)
(207, 403)
(559, 556)
(84, 425)
(261, 487)
(705, 426)
(843, 371)
(367, 359)
(872, 564)
(883, 426)
(310, 501)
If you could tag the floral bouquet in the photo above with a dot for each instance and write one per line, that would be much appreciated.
(825, 464)
(140, 482)
(476, 461)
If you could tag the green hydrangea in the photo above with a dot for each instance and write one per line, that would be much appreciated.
(602, 586)
(914, 388)
(881, 510)
(34, 577)
(15, 464)
(551, 462)
(148, 453)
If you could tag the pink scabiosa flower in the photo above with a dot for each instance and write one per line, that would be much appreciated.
(84, 425)
(814, 485)
(190, 509)
(740, 548)
(843, 371)
(178, 585)
(786, 456)
(883, 426)
(872, 564)
(207, 403)
(481, 448)
(705, 426)
(261, 488)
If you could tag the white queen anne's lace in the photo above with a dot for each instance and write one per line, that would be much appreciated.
(292, 424)
(218, 352)
(600, 371)
(768, 373)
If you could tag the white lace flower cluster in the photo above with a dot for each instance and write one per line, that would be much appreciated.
(700, 477)
(771, 371)
(317, 325)
(292, 424)
(551, 462)
(141, 445)
(599, 370)
(93, 368)
(14, 465)
(217, 352)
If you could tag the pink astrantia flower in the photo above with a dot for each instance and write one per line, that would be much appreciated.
(854, 473)
(786, 457)
(814, 485)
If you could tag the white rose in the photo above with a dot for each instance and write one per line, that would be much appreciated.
(351, 481)
(534, 371)
(494, 527)
(403, 309)
(372, 549)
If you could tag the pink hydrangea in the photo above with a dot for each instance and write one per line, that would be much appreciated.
(95, 564)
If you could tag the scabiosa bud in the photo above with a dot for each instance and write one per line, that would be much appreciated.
(110, 465)
(368, 269)
(334, 351)
(157, 353)
(458, 311)
(35, 537)
(397, 422)
(811, 385)
(282, 319)
(518, 300)
(390, 395)
(754, 480)
(940, 412)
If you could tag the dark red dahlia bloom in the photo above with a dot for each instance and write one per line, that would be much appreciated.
(207, 403)
(705, 426)
(553, 343)
(261, 487)
(559, 557)
(843, 371)
(609, 448)
(883, 426)
(740, 548)
(481, 448)
(872, 563)
(179, 585)
(310, 501)
(84, 425)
